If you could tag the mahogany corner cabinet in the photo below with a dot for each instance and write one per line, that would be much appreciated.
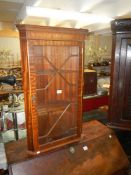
(52, 64)
(120, 93)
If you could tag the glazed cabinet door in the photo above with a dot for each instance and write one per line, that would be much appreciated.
(55, 91)
(52, 63)
(120, 96)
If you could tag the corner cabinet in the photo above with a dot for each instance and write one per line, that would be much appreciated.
(120, 93)
(52, 62)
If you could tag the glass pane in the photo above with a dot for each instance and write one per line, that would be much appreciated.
(56, 91)
(58, 122)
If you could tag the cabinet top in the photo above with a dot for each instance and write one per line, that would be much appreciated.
(50, 33)
(121, 25)
(50, 29)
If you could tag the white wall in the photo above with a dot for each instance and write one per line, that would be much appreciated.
(12, 44)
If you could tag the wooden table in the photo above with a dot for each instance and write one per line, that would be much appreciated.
(98, 153)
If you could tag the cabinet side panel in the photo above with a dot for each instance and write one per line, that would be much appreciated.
(26, 88)
(120, 93)
(127, 95)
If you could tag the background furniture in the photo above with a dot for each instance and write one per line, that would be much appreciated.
(90, 82)
(98, 147)
(52, 64)
(3, 160)
(120, 93)
(11, 70)
(12, 123)
(94, 102)
(10, 97)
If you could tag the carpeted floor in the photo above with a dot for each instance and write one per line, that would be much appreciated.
(97, 114)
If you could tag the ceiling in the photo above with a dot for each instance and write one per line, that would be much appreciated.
(14, 11)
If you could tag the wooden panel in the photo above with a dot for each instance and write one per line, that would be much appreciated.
(120, 93)
(127, 106)
(120, 105)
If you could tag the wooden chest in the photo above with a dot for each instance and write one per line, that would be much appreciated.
(90, 82)
(98, 153)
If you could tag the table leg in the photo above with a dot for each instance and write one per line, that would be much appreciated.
(15, 125)
(2, 121)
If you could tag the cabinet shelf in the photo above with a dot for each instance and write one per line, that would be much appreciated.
(10, 67)
(45, 72)
(52, 107)
(102, 66)
(2, 92)
(18, 79)
(68, 71)
(103, 76)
